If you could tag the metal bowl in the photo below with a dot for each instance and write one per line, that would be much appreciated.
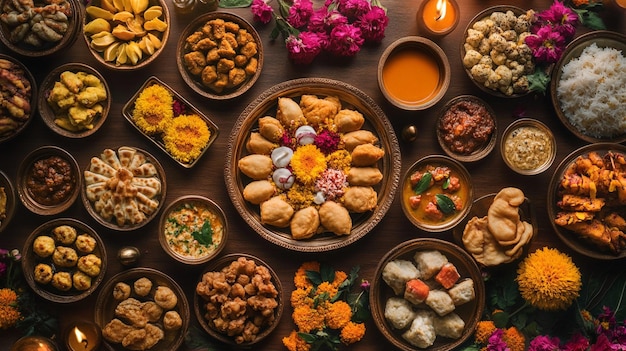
(18, 122)
(513, 155)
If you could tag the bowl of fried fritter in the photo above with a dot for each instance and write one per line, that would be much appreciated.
(220, 55)
(18, 95)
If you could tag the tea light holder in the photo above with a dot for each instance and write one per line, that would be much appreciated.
(83, 336)
(34, 343)
(438, 17)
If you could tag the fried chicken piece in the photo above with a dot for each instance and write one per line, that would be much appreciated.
(565, 218)
(595, 232)
(131, 311)
(204, 44)
(616, 221)
(195, 62)
(581, 203)
(143, 339)
(318, 110)
(116, 330)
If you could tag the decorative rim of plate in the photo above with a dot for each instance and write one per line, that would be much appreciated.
(319, 86)
(33, 97)
(9, 190)
(573, 50)
(566, 237)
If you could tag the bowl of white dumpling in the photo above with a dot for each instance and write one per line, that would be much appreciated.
(312, 165)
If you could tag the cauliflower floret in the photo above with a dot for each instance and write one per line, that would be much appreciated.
(486, 60)
(481, 72)
(474, 37)
(505, 75)
(484, 47)
(507, 90)
(467, 47)
(471, 58)
(493, 80)
(497, 42)
(521, 25)
(509, 35)
(511, 51)
(498, 57)
(483, 26)
(517, 70)
(521, 85)
(498, 18)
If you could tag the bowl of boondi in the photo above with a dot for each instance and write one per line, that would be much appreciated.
(413, 73)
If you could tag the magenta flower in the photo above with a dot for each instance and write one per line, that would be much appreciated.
(345, 40)
(496, 343)
(562, 18)
(577, 343)
(300, 12)
(544, 343)
(365, 285)
(373, 24)
(3, 269)
(547, 45)
(354, 9)
(304, 48)
(262, 11)
(327, 141)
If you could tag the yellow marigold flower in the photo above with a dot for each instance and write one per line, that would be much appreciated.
(548, 279)
(295, 343)
(340, 276)
(338, 315)
(9, 315)
(153, 109)
(484, 329)
(308, 162)
(326, 287)
(340, 160)
(352, 333)
(514, 339)
(186, 136)
(307, 319)
(7, 296)
(300, 279)
(300, 297)
(586, 315)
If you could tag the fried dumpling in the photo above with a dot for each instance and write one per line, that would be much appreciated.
(349, 121)
(270, 128)
(289, 113)
(304, 223)
(258, 191)
(364, 176)
(366, 155)
(258, 144)
(255, 166)
(318, 110)
(276, 212)
(335, 218)
(358, 137)
(360, 198)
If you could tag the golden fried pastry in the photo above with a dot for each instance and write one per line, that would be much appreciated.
(116, 330)
(144, 338)
(364, 176)
(85, 243)
(121, 291)
(304, 223)
(349, 121)
(43, 273)
(258, 191)
(130, 311)
(81, 281)
(258, 144)
(64, 256)
(289, 113)
(317, 110)
(172, 321)
(165, 297)
(335, 218)
(503, 220)
(152, 311)
(276, 212)
(256, 166)
(270, 128)
(43, 246)
(142, 286)
(62, 281)
(90, 265)
(366, 155)
(64, 234)
(358, 137)
(478, 240)
(360, 199)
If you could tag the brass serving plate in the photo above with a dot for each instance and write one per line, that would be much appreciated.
(603, 39)
(104, 310)
(375, 120)
(31, 259)
(471, 312)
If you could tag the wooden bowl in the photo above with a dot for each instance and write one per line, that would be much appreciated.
(423, 83)
(480, 16)
(512, 154)
(29, 94)
(104, 309)
(34, 202)
(113, 58)
(375, 121)
(11, 201)
(48, 114)
(466, 105)
(556, 190)
(183, 220)
(470, 312)
(96, 175)
(31, 259)
(200, 309)
(129, 107)
(442, 221)
(602, 39)
(47, 45)
(194, 80)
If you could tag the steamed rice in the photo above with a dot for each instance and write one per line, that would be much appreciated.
(592, 92)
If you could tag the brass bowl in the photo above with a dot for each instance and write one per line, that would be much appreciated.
(375, 121)
(11, 200)
(29, 199)
(603, 39)
(48, 47)
(31, 259)
(219, 235)
(200, 309)
(104, 309)
(471, 312)
(526, 123)
(555, 190)
(482, 15)
(48, 113)
(100, 181)
(481, 150)
(194, 81)
(109, 59)
(30, 85)
(129, 107)
(466, 192)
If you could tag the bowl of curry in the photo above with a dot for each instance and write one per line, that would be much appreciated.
(437, 193)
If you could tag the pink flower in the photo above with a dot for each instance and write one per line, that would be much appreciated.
(563, 19)
(304, 48)
(576, 343)
(300, 12)
(345, 40)
(262, 11)
(365, 285)
(544, 343)
(547, 45)
(373, 24)
(354, 9)
(496, 343)
(327, 141)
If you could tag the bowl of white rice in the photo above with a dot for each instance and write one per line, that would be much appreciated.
(588, 87)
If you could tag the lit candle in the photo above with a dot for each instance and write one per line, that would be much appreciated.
(34, 343)
(439, 17)
(83, 336)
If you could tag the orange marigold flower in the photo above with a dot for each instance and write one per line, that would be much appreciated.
(7, 296)
(300, 279)
(340, 276)
(9, 315)
(295, 343)
(352, 333)
(578, 3)
(514, 339)
(326, 287)
(307, 319)
(338, 315)
(300, 297)
(586, 315)
(153, 109)
(484, 329)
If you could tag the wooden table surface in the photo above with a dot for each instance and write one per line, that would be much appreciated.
(207, 177)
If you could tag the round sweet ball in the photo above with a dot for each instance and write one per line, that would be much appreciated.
(142, 286)
(172, 321)
(165, 297)
(64, 256)
(121, 291)
(43, 273)
(85, 243)
(64, 234)
(81, 281)
(44, 246)
(90, 265)
(62, 281)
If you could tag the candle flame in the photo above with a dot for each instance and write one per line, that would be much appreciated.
(81, 337)
(441, 9)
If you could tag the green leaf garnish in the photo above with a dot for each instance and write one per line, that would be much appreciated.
(445, 204)
(538, 81)
(446, 184)
(235, 3)
(423, 183)
(205, 235)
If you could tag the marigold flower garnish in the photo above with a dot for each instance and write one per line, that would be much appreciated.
(484, 329)
(514, 339)
(294, 342)
(352, 333)
(9, 315)
(308, 162)
(548, 279)
(153, 109)
(186, 136)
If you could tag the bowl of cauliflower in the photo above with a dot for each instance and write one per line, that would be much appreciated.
(494, 53)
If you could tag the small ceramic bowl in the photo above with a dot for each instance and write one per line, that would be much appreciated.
(413, 73)
(221, 86)
(528, 146)
(46, 271)
(34, 191)
(469, 309)
(193, 229)
(7, 201)
(200, 303)
(477, 139)
(22, 117)
(58, 118)
(440, 205)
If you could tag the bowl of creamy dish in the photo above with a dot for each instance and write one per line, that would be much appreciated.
(528, 146)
